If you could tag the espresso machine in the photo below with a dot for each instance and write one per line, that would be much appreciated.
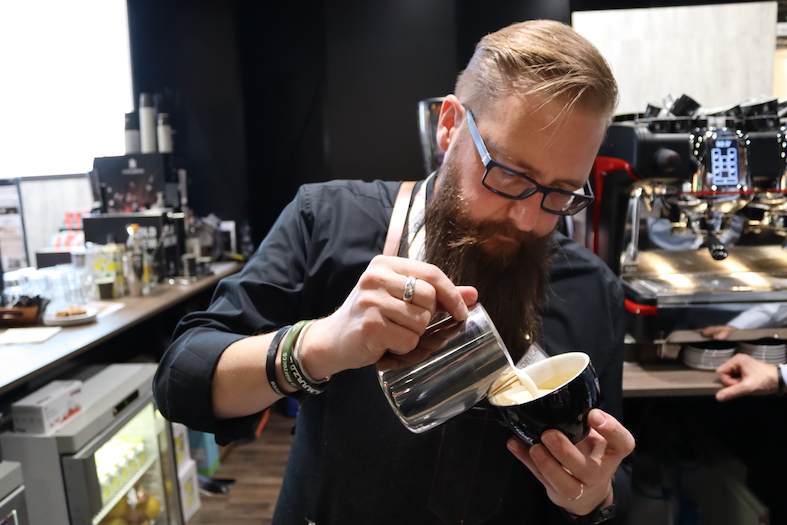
(691, 213)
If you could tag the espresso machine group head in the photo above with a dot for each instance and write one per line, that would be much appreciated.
(720, 186)
(693, 214)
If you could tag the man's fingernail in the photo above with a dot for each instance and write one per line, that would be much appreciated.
(539, 451)
(597, 418)
(514, 446)
(550, 438)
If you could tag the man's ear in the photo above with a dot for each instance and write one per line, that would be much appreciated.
(451, 115)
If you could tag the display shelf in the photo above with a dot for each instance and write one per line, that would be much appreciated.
(667, 379)
(123, 490)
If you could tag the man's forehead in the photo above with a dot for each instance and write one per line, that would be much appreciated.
(515, 123)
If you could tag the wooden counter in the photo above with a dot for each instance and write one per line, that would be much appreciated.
(667, 379)
(21, 363)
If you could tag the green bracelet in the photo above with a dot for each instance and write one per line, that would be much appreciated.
(286, 354)
(290, 366)
(309, 384)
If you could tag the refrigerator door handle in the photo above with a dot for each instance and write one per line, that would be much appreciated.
(15, 502)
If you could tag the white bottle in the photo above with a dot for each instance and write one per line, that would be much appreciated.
(132, 133)
(164, 132)
(147, 123)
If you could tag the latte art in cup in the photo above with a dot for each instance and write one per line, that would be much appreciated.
(516, 393)
(555, 393)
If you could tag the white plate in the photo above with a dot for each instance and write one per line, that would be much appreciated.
(721, 351)
(700, 366)
(88, 317)
(766, 354)
(704, 364)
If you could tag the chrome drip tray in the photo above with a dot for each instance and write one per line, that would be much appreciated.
(749, 274)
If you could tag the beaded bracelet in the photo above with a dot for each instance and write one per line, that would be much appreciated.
(270, 361)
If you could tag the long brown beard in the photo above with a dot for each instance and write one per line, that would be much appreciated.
(510, 281)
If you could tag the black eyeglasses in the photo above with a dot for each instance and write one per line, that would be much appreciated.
(512, 184)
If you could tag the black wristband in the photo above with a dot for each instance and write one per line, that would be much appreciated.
(270, 361)
(597, 516)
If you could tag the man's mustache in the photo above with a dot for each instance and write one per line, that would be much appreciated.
(477, 234)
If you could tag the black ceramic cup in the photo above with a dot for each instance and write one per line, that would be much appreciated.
(569, 389)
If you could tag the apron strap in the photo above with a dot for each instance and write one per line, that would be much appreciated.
(398, 218)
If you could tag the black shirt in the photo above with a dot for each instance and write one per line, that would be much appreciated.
(351, 460)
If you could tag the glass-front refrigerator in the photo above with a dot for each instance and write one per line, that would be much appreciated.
(13, 510)
(111, 465)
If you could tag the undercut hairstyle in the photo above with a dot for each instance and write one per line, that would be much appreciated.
(545, 58)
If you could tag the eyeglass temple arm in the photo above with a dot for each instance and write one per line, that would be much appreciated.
(479, 143)
(589, 189)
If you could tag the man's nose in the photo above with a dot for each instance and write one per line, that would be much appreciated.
(525, 213)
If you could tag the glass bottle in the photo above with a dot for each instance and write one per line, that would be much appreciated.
(134, 263)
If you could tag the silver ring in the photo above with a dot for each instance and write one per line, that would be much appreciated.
(409, 289)
(581, 491)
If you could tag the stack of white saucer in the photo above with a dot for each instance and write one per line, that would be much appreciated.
(707, 358)
(771, 351)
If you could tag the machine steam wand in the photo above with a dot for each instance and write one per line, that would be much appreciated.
(640, 194)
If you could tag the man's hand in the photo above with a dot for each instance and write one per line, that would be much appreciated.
(743, 375)
(717, 332)
(578, 477)
(375, 318)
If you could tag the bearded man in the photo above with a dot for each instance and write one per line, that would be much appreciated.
(520, 135)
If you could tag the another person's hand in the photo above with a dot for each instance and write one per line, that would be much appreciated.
(375, 318)
(717, 332)
(578, 477)
(743, 375)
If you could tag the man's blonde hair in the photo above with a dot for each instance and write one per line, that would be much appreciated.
(541, 57)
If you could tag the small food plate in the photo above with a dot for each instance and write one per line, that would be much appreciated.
(50, 319)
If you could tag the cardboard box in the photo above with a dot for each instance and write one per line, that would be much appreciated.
(180, 438)
(49, 408)
(189, 489)
(133, 182)
(205, 452)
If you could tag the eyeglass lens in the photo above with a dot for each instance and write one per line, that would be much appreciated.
(513, 185)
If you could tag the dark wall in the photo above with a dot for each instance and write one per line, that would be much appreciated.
(266, 96)
(383, 56)
(476, 19)
(187, 51)
(283, 66)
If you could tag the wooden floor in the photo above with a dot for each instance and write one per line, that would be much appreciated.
(257, 469)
